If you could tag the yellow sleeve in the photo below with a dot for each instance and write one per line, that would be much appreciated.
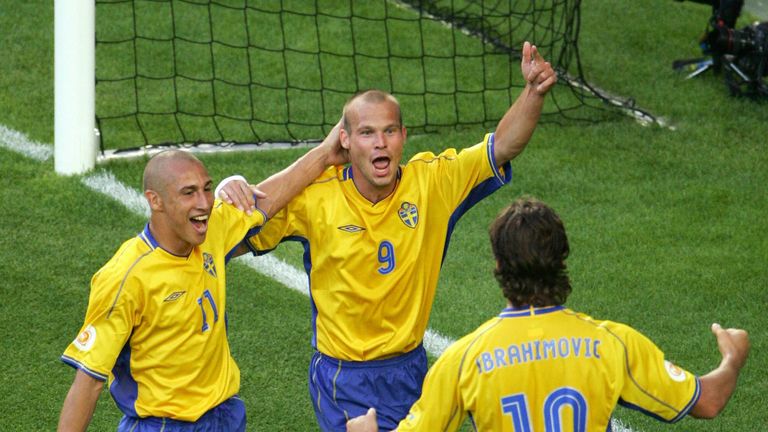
(112, 312)
(466, 176)
(440, 406)
(653, 384)
(235, 224)
(290, 221)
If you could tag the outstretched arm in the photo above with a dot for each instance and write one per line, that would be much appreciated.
(516, 127)
(718, 385)
(277, 190)
(80, 403)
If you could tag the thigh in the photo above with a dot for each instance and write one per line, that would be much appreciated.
(341, 391)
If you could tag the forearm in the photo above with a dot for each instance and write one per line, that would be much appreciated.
(516, 127)
(718, 385)
(716, 389)
(281, 187)
(80, 403)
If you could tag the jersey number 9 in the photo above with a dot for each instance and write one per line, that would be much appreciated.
(386, 257)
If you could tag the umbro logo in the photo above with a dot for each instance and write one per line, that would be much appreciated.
(351, 228)
(174, 296)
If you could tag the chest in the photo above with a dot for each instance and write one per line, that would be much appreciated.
(186, 297)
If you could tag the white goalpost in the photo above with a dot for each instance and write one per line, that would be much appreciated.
(75, 144)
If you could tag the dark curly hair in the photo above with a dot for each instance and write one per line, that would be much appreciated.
(529, 243)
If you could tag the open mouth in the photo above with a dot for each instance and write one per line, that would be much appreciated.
(200, 223)
(381, 165)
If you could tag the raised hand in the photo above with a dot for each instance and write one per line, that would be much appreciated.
(536, 71)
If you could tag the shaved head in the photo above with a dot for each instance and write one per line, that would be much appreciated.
(373, 97)
(158, 173)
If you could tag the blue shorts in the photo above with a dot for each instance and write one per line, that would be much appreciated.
(227, 416)
(341, 390)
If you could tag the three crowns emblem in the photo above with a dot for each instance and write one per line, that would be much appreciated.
(409, 214)
(208, 264)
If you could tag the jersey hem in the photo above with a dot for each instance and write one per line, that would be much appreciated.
(77, 365)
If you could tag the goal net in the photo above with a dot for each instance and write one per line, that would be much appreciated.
(185, 72)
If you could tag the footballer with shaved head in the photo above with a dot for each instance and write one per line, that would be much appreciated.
(155, 324)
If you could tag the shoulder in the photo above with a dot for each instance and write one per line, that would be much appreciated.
(451, 154)
(472, 342)
(619, 331)
(328, 179)
(127, 255)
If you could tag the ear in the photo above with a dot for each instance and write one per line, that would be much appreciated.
(154, 200)
(344, 137)
(405, 133)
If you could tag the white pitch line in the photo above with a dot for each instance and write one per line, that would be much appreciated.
(20, 143)
(105, 183)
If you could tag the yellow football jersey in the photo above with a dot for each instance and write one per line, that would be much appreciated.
(155, 325)
(549, 369)
(373, 268)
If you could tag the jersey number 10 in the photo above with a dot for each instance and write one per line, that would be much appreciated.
(516, 406)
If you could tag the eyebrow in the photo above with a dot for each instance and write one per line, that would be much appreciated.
(193, 187)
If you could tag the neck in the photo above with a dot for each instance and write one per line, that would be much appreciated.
(167, 241)
(371, 192)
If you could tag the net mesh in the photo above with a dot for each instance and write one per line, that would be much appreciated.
(194, 71)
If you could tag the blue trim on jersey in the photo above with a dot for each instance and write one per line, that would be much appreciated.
(492, 158)
(148, 238)
(634, 407)
(229, 254)
(680, 415)
(255, 230)
(124, 388)
(77, 365)
(307, 268)
(694, 400)
(482, 190)
(524, 311)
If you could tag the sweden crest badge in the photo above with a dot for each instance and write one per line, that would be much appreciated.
(409, 214)
(208, 264)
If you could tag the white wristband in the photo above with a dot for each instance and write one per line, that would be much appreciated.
(225, 181)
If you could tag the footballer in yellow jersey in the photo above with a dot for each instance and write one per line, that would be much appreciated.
(373, 271)
(549, 369)
(373, 268)
(155, 327)
(539, 366)
(375, 234)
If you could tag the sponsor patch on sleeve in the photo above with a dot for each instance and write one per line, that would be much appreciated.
(674, 372)
(86, 338)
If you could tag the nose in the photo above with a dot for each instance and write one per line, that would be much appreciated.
(204, 199)
(381, 141)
